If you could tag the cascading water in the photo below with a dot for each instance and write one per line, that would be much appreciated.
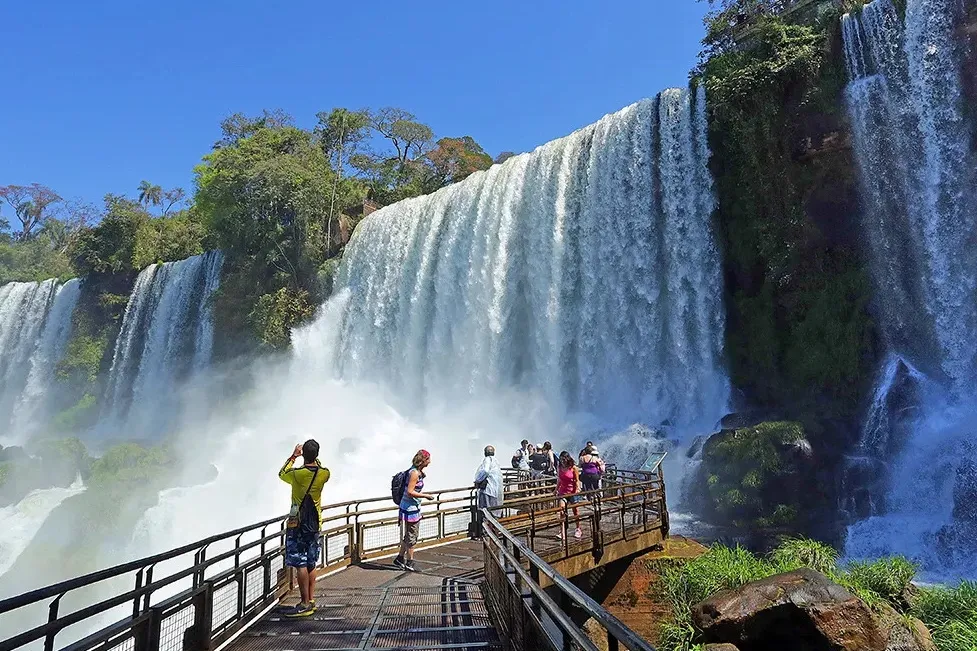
(582, 276)
(22, 520)
(166, 334)
(919, 179)
(585, 271)
(35, 323)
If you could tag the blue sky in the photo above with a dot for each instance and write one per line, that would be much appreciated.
(99, 95)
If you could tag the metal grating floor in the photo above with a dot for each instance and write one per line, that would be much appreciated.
(374, 606)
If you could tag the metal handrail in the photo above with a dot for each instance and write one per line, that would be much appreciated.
(615, 628)
(350, 520)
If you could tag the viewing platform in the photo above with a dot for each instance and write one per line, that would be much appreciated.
(510, 589)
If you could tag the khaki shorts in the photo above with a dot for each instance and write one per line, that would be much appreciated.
(411, 531)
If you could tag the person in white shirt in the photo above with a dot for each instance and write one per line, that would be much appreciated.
(488, 481)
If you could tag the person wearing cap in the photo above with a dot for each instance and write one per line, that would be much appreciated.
(410, 510)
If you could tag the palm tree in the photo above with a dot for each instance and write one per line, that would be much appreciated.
(150, 194)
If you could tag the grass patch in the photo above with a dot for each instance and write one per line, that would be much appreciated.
(949, 613)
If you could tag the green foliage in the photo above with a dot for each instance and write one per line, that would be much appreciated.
(800, 335)
(265, 197)
(886, 579)
(164, 239)
(130, 464)
(951, 615)
(82, 357)
(77, 415)
(794, 553)
(33, 259)
(109, 247)
(276, 313)
(743, 466)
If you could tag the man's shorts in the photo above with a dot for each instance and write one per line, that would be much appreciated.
(302, 551)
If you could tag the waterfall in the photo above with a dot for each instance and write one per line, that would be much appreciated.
(919, 175)
(585, 271)
(167, 333)
(22, 520)
(35, 323)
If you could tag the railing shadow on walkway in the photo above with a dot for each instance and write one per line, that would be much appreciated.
(225, 582)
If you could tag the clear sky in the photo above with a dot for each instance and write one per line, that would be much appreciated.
(100, 94)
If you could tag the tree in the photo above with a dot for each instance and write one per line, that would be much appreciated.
(238, 125)
(264, 199)
(109, 247)
(172, 198)
(340, 133)
(409, 137)
(150, 194)
(455, 159)
(30, 204)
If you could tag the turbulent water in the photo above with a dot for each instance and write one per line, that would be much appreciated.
(919, 177)
(167, 334)
(22, 520)
(35, 323)
(586, 272)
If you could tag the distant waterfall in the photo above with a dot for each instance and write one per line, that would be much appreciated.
(22, 520)
(35, 323)
(919, 178)
(586, 271)
(167, 333)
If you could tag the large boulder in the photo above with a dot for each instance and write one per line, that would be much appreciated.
(802, 611)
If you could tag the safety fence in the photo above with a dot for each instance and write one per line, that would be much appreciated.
(196, 597)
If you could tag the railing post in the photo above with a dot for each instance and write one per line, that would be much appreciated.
(135, 602)
(52, 615)
(663, 513)
(197, 637)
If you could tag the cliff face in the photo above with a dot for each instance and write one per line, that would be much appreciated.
(800, 339)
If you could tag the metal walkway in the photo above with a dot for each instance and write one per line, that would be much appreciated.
(510, 590)
(375, 606)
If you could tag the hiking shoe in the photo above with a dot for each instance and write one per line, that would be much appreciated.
(400, 564)
(301, 610)
(409, 565)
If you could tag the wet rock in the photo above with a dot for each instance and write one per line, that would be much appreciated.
(965, 486)
(802, 611)
(723, 646)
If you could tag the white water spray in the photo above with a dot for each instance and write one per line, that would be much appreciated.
(22, 521)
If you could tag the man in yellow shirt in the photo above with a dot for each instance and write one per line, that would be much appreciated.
(303, 537)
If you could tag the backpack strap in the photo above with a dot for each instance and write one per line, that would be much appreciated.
(309, 489)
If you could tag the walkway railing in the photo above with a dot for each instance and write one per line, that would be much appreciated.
(216, 586)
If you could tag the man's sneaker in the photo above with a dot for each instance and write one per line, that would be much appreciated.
(400, 564)
(409, 565)
(301, 610)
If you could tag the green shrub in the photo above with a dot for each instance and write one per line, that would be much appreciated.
(745, 468)
(130, 464)
(951, 615)
(795, 553)
(886, 578)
